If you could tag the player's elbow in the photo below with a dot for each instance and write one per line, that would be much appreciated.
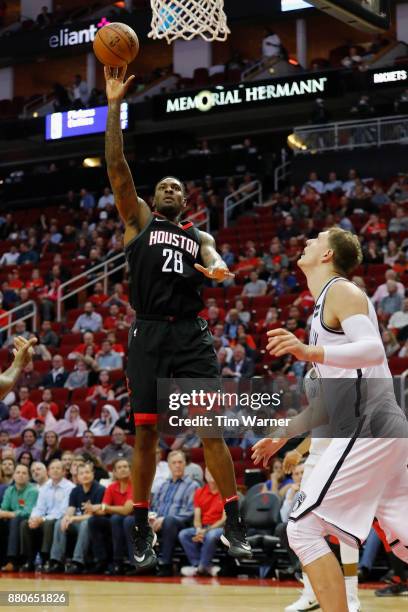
(376, 354)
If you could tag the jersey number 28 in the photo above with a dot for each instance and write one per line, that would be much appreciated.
(174, 261)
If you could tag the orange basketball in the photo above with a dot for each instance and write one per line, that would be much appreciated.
(116, 44)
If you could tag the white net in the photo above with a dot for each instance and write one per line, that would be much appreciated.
(186, 19)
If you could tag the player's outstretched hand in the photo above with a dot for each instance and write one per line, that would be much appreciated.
(116, 86)
(281, 342)
(290, 461)
(23, 351)
(266, 448)
(215, 273)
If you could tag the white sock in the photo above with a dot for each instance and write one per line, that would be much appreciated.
(351, 587)
(307, 588)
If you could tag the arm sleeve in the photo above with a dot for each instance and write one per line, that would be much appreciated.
(364, 348)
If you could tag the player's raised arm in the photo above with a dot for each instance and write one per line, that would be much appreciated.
(133, 210)
(346, 305)
(214, 266)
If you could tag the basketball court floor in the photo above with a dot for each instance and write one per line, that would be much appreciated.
(105, 594)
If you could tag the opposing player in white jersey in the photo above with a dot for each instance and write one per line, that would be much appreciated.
(349, 555)
(356, 478)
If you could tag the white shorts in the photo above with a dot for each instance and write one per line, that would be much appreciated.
(354, 481)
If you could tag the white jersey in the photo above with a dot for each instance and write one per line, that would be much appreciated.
(321, 334)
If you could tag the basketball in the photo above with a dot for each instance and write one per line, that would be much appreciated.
(116, 44)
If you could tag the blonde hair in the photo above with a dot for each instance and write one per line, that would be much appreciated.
(347, 253)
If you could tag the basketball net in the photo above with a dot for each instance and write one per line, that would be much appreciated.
(186, 19)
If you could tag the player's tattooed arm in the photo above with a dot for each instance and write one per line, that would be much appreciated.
(133, 210)
(214, 266)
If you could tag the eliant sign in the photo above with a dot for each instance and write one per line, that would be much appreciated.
(71, 37)
(246, 95)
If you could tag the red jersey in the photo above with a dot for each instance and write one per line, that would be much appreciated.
(28, 410)
(210, 504)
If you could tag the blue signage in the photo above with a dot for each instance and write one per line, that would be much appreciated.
(81, 122)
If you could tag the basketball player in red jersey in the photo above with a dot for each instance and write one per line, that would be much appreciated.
(167, 263)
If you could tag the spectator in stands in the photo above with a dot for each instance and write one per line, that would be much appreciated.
(162, 471)
(48, 399)
(44, 416)
(89, 320)
(5, 443)
(291, 492)
(57, 376)
(38, 473)
(51, 449)
(116, 346)
(66, 459)
(399, 223)
(76, 521)
(271, 45)
(246, 340)
(10, 257)
(88, 445)
(277, 482)
(44, 18)
(103, 390)
(390, 343)
(107, 358)
(314, 182)
(51, 505)
(27, 407)
(382, 290)
(27, 255)
(399, 322)
(18, 501)
(227, 255)
(79, 377)
(200, 541)
(173, 505)
(29, 378)
(363, 110)
(80, 349)
(71, 425)
(98, 296)
(103, 425)
(15, 423)
(391, 253)
(372, 253)
(47, 337)
(26, 458)
(403, 353)
(111, 320)
(379, 198)
(117, 449)
(392, 302)
(20, 329)
(108, 518)
(87, 201)
(275, 257)
(353, 59)
(80, 96)
(240, 365)
(29, 439)
(8, 465)
(333, 184)
(232, 321)
(372, 227)
(118, 297)
(289, 230)
(106, 199)
(255, 287)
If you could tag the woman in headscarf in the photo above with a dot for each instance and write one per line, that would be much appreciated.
(44, 414)
(104, 425)
(71, 425)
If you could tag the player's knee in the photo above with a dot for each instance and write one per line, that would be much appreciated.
(306, 539)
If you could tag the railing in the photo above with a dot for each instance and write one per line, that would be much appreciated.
(281, 173)
(12, 321)
(204, 223)
(230, 203)
(102, 277)
(352, 134)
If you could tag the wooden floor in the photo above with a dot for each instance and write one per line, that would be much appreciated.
(176, 595)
